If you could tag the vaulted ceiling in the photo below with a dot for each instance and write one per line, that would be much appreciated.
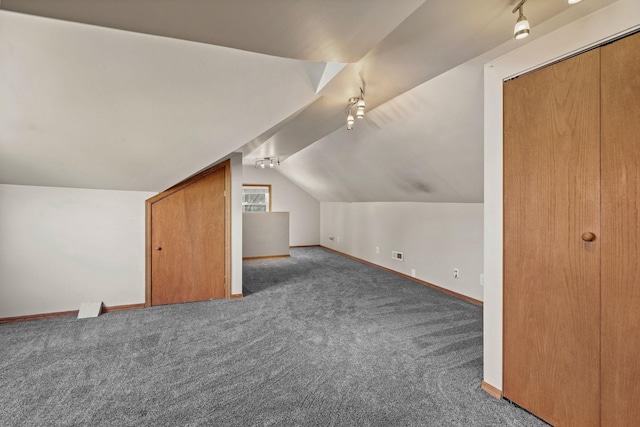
(138, 95)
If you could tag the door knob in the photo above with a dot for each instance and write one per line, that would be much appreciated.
(158, 248)
(588, 237)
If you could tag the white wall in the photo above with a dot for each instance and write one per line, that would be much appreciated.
(60, 247)
(613, 20)
(304, 209)
(113, 103)
(434, 237)
(236, 223)
(265, 234)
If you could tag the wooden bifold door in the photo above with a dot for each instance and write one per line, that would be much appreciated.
(572, 238)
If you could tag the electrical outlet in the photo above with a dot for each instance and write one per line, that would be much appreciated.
(377, 250)
(413, 272)
(482, 280)
(456, 273)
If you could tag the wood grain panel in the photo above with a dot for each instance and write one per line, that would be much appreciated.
(621, 232)
(552, 277)
(188, 244)
(125, 307)
(252, 258)
(56, 314)
(493, 391)
(40, 316)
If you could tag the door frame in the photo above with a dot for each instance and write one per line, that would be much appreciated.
(226, 165)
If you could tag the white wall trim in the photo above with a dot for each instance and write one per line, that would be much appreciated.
(236, 223)
(608, 23)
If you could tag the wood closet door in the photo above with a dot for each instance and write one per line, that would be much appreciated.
(621, 232)
(188, 243)
(551, 276)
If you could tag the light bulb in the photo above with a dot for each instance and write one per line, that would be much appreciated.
(271, 164)
(522, 28)
(360, 109)
(262, 164)
(574, 1)
(350, 121)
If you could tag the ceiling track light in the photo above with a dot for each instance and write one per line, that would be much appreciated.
(360, 105)
(357, 103)
(350, 119)
(271, 161)
(522, 28)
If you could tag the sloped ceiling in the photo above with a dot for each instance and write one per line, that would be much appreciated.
(89, 107)
(424, 146)
(311, 30)
(138, 95)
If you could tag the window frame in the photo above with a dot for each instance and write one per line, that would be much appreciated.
(269, 196)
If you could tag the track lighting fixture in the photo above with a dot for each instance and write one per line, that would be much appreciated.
(350, 120)
(522, 28)
(271, 161)
(360, 105)
(357, 103)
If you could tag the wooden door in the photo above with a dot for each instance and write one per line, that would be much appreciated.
(188, 242)
(551, 276)
(621, 232)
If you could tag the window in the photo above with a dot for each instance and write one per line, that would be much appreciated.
(256, 198)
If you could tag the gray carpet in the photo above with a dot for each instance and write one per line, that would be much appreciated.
(321, 341)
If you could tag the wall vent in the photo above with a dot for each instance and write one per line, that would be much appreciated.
(398, 256)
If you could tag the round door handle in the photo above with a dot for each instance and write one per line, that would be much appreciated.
(158, 248)
(588, 237)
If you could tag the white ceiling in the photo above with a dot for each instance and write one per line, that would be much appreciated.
(94, 107)
(425, 146)
(310, 30)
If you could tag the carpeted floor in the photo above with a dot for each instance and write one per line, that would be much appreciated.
(322, 340)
